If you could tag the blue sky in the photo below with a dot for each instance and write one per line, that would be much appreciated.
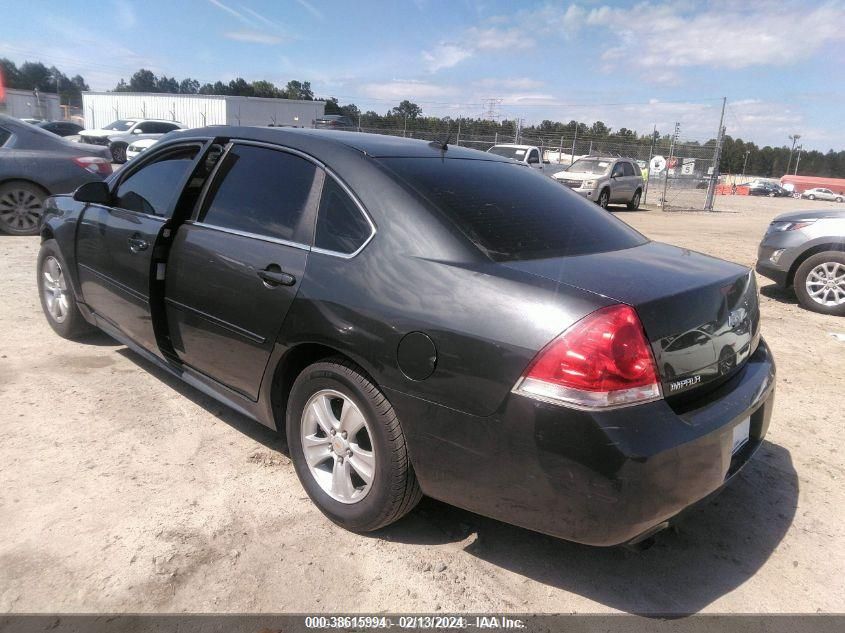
(630, 64)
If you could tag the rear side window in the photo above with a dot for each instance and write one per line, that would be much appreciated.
(511, 212)
(155, 185)
(627, 169)
(262, 191)
(4, 136)
(341, 227)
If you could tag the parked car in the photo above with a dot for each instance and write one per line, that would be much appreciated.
(605, 180)
(136, 147)
(60, 128)
(764, 188)
(347, 289)
(333, 122)
(118, 134)
(805, 250)
(820, 193)
(35, 164)
(526, 154)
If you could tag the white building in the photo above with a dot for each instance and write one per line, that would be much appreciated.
(31, 104)
(101, 108)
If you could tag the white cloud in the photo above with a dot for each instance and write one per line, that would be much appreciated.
(521, 83)
(405, 89)
(125, 14)
(444, 56)
(663, 37)
(234, 13)
(311, 9)
(499, 39)
(253, 37)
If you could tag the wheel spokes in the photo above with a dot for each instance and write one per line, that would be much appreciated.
(364, 463)
(351, 419)
(342, 479)
(316, 449)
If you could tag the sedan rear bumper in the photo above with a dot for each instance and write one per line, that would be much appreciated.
(595, 478)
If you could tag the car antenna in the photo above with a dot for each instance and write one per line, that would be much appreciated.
(443, 145)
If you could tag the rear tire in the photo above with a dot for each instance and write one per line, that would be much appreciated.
(21, 207)
(839, 199)
(604, 198)
(352, 434)
(820, 283)
(57, 300)
(811, 197)
(634, 204)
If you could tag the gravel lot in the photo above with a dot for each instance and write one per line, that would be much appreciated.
(125, 490)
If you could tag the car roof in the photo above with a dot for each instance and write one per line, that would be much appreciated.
(374, 145)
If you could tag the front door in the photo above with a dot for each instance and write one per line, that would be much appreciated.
(115, 244)
(234, 271)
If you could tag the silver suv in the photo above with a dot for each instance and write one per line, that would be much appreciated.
(604, 180)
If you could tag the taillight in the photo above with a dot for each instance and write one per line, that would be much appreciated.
(94, 164)
(602, 361)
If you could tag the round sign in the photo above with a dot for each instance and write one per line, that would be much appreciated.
(657, 164)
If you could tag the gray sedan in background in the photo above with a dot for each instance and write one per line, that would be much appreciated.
(35, 164)
(806, 250)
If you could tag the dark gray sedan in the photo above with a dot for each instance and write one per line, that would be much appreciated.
(806, 250)
(35, 164)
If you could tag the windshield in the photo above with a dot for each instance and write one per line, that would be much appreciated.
(589, 166)
(119, 126)
(512, 213)
(516, 153)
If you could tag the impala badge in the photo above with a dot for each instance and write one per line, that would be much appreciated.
(683, 384)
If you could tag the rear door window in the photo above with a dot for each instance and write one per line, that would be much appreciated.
(264, 192)
(511, 212)
(154, 186)
(341, 225)
(5, 135)
(627, 169)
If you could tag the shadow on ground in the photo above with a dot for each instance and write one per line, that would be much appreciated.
(716, 548)
(773, 291)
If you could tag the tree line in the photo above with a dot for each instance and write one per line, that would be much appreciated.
(409, 117)
(37, 76)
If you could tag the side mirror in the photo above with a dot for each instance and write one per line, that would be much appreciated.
(93, 193)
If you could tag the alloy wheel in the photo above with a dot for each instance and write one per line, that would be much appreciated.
(54, 289)
(826, 284)
(20, 210)
(604, 198)
(337, 445)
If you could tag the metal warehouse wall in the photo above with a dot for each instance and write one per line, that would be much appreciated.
(101, 108)
(27, 104)
(256, 111)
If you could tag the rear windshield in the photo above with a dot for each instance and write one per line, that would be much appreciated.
(511, 212)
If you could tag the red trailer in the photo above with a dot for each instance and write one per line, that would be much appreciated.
(802, 183)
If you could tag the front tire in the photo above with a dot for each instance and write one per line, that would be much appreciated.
(604, 198)
(634, 204)
(57, 300)
(21, 207)
(811, 197)
(348, 447)
(118, 153)
(820, 283)
(839, 199)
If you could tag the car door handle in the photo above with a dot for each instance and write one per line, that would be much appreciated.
(136, 245)
(273, 276)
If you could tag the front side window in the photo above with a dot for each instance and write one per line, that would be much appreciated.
(262, 191)
(152, 188)
(5, 135)
(627, 169)
(341, 227)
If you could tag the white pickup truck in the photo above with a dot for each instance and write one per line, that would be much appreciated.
(528, 154)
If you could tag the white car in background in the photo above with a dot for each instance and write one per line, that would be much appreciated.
(820, 193)
(136, 147)
(117, 135)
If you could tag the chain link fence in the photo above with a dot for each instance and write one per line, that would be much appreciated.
(676, 173)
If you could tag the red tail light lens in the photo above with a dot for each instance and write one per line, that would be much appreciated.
(94, 164)
(602, 361)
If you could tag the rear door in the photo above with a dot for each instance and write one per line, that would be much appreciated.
(235, 269)
(116, 244)
(618, 184)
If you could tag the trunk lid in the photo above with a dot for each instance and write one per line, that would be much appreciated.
(700, 313)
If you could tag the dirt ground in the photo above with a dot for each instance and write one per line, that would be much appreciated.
(122, 489)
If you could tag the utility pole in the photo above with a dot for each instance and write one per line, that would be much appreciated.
(669, 162)
(744, 164)
(798, 160)
(458, 137)
(559, 150)
(717, 153)
(650, 156)
(794, 138)
(572, 153)
(405, 129)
